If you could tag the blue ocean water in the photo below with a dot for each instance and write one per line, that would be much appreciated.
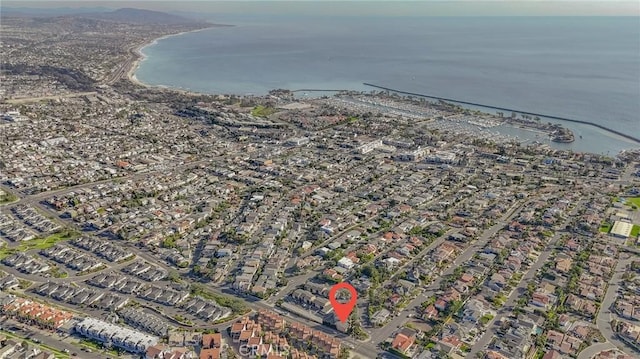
(586, 68)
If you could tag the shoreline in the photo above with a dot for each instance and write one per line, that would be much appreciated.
(553, 117)
(139, 57)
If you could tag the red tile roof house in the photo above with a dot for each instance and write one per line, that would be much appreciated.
(211, 341)
(243, 330)
(552, 355)
(430, 312)
(39, 314)
(327, 344)
(271, 321)
(402, 343)
(467, 278)
(540, 300)
(443, 252)
(554, 339)
(440, 304)
(495, 355)
(210, 353)
(452, 340)
(395, 299)
(451, 294)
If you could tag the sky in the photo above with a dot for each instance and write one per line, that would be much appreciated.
(365, 7)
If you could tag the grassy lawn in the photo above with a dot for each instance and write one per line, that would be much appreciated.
(261, 111)
(634, 200)
(91, 344)
(57, 353)
(237, 306)
(8, 198)
(635, 230)
(605, 227)
(39, 243)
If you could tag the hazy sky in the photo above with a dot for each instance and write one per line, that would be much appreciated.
(364, 7)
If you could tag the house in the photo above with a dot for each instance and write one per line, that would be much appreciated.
(430, 312)
(552, 354)
(394, 300)
(440, 305)
(402, 343)
(213, 340)
(452, 295)
(379, 317)
(391, 262)
(475, 309)
(563, 265)
(443, 252)
(156, 351)
(213, 353)
(543, 300)
(346, 263)
(467, 278)
(497, 282)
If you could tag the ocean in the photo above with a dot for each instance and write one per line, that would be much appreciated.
(585, 68)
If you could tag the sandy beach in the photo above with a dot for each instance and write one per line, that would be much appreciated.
(139, 56)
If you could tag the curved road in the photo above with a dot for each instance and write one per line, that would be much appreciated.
(594, 349)
(605, 315)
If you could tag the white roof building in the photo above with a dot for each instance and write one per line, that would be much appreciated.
(345, 262)
(621, 229)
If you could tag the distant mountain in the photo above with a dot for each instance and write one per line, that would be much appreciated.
(44, 12)
(140, 16)
(125, 15)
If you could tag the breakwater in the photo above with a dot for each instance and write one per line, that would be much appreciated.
(622, 134)
(316, 90)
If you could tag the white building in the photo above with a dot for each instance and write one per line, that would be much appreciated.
(127, 339)
(14, 116)
(442, 157)
(368, 147)
(415, 155)
(346, 263)
(621, 229)
(297, 141)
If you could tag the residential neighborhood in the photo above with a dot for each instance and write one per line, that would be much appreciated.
(142, 222)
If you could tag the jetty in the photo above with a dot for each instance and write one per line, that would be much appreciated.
(619, 133)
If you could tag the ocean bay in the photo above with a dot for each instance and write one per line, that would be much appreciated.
(584, 68)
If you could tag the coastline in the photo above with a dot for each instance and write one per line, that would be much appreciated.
(547, 116)
(139, 57)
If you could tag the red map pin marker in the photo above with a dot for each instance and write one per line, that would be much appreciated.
(343, 310)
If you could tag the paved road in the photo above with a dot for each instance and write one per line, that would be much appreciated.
(366, 350)
(594, 349)
(43, 98)
(70, 279)
(42, 195)
(605, 315)
(292, 282)
(50, 339)
(513, 297)
(515, 293)
(381, 334)
(420, 256)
